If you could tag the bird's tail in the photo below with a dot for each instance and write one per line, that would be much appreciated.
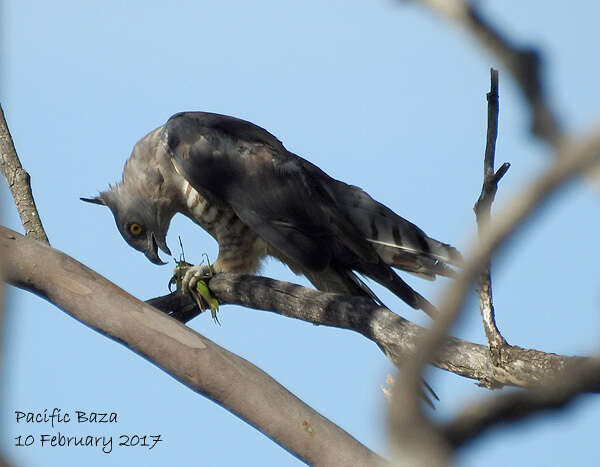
(386, 276)
(398, 242)
(417, 253)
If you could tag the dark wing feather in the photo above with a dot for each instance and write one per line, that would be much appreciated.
(279, 195)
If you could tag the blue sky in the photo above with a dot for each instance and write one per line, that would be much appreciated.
(379, 94)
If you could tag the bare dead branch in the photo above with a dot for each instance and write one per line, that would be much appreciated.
(396, 336)
(573, 160)
(408, 424)
(575, 157)
(480, 417)
(194, 360)
(177, 305)
(483, 208)
(19, 183)
(523, 63)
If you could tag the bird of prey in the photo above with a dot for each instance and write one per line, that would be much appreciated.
(257, 199)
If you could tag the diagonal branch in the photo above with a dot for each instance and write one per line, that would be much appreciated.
(523, 63)
(483, 208)
(573, 160)
(409, 426)
(197, 362)
(394, 335)
(202, 365)
(19, 183)
(481, 417)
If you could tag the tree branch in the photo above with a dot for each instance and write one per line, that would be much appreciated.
(523, 63)
(483, 208)
(194, 360)
(198, 362)
(411, 430)
(480, 417)
(19, 183)
(573, 160)
(396, 336)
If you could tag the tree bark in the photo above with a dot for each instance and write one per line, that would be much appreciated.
(189, 357)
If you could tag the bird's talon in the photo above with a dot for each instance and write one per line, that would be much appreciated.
(191, 279)
(194, 274)
(173, 282)
(179, 274)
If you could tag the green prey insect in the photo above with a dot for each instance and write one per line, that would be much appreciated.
(201, 294)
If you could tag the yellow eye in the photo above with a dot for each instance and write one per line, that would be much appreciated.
(135, 229)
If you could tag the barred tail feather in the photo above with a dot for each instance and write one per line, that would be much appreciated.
(398, 242)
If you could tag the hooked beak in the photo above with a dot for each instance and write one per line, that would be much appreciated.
(152, 251)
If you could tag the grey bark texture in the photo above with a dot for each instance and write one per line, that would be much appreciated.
(189, 357)
(397, 337)
(19, 183)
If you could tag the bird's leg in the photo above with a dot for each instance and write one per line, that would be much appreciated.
(192, 279)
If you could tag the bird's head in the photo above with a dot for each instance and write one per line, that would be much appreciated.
(142, 222)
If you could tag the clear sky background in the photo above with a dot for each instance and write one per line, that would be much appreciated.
(379, 94)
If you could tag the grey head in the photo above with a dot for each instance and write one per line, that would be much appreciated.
(143, 203)
(138, 220)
